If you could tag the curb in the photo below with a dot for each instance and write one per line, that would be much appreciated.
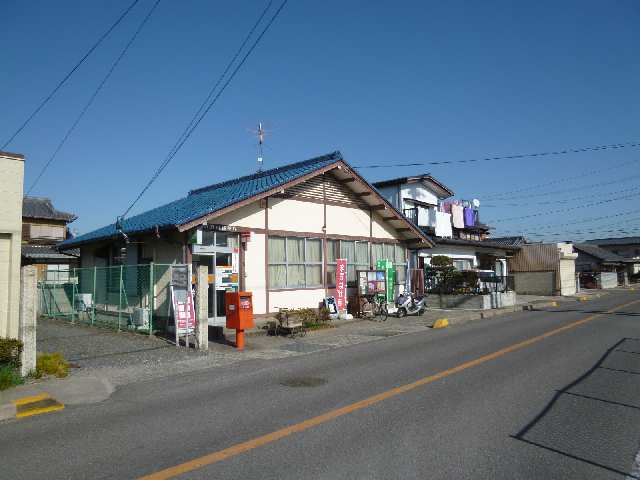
(29, 406)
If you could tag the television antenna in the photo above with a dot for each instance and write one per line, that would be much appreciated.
(260, 133)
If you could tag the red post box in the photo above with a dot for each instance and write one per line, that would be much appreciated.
(239, 312)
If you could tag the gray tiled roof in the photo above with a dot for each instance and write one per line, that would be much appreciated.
(509, 241)
(599, 253)
(48, 252)
(614, 241)
(41, 207)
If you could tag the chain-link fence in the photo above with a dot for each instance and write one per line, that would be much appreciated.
(124, 297)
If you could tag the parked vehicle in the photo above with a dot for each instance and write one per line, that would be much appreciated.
(410, 304)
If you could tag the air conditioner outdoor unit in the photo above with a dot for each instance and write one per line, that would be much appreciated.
(140, 317)
(84, 301)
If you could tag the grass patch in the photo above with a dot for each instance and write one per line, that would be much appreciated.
(51, 364)
(9, 377)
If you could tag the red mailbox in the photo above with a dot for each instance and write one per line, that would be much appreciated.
(239, 311)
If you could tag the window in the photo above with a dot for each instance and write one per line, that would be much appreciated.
(47, 232)
(295, 262)
(461, 264)
(356, 254)
(400, 262)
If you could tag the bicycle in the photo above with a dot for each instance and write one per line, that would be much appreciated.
(380, 310)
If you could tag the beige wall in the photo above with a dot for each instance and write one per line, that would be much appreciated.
(250, 216)
(11, 192)
(296, 216)
(254, 264)
(347, 221)
(295, 299)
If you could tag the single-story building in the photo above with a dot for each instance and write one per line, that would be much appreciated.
(600, 268)
(627, 247)
(276, 233)
(543, 268)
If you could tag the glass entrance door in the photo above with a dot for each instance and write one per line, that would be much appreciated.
(219, 252)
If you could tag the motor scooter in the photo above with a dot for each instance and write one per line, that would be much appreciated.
(410, 304)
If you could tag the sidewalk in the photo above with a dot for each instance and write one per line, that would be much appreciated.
(105, 359)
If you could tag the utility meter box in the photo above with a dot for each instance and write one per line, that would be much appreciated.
(239, 310)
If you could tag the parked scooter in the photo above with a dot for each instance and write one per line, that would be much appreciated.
(410, 304)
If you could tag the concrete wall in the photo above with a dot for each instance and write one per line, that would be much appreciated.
(535, 283)
(11, 192)
(567, 270)
(254, 263)
(472, 302)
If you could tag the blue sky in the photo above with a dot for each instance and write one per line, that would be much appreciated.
(384, 82)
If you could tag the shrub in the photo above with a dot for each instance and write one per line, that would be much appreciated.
(10, 350)
(9, 377)
(439, 261)
(51, 364)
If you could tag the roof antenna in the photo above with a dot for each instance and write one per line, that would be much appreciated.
(260, 133)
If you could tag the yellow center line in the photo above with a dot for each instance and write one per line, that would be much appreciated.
(254, 443)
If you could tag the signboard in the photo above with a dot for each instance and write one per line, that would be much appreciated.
(341, 284)
(184, 313)
(220, 228)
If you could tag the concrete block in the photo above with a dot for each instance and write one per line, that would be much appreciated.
(28, 317)
(202, 313)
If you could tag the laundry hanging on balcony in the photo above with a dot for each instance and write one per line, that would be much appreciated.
(469, 217)
(457, 216)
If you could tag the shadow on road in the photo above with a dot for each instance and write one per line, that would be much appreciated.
(595, 418)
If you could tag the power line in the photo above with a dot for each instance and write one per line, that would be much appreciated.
(93, 96)
(550, 212)
(509, 157)
(500, 196)
(220, 78)
(194, 124)
(71, 72)
(562, 200)
(574, 222)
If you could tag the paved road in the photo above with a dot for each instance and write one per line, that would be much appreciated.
(560, 406)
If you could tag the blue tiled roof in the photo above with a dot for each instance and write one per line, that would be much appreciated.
(206, 200)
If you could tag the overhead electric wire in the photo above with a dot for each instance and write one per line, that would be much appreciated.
(501, 196)
(509, 157)
(515, 230)
(221, 77)
(551, 212)
(68, 75)
(94, 95)
(561, 200)
(194, 124)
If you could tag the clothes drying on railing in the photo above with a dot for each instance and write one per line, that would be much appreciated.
(457, 215)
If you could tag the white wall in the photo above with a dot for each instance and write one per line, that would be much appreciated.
(451, 252)
(418, 191)
(295, 299)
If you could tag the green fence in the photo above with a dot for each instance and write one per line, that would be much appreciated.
(125, 297)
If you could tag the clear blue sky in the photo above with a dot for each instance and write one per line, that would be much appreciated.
(383, 82)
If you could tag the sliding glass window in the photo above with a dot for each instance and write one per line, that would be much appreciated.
(295, 262)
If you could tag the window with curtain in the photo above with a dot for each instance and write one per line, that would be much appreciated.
(295, 262)
(355, 252)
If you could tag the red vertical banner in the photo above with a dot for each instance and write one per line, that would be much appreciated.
(341, 284)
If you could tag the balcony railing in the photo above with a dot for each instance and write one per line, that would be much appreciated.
(411, 214)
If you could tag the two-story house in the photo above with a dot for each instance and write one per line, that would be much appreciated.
(43, 226)
(453, 225)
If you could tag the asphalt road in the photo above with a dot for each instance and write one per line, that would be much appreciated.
(565, 405)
